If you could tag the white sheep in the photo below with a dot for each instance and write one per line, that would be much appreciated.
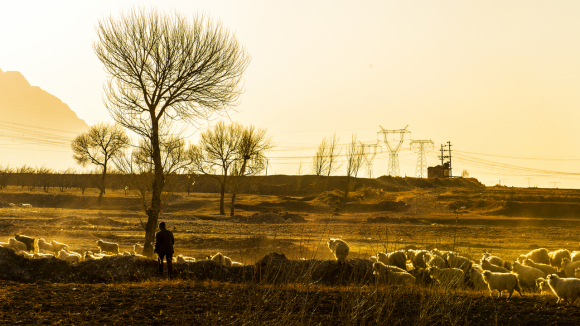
(527, 275)
(5, 245)
(108, 246)
(138, 249)
(374, 259)
(567, 289)
(417, 258)
(436, 261)
(543, 286)
(477, 279)
(222, 260)
(43, 245)
(577, 273)
(486, 265)
(27, 255)
(384, 274)
(456, 261)
(502, 282)
(575, 255)
(57, 246)
(70, 256)
(495, 260)
(339, 248)
(234, 263)
(448, 277)
(181, 259)
(557, 256)
(16, 244)
(547, 269)
(569, 267)
(397, 258)
(538, 256)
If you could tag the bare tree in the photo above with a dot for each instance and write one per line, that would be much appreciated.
(354, 160)
(250, 157)
(217, 154)
(5, 173)
(97, 146)
(163, 68)
(333, 152)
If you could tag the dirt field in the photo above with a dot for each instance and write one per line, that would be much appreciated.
(371, 221)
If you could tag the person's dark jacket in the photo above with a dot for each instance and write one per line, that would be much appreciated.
(164, 241)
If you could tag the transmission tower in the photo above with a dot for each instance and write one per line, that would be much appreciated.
(398, 137)
(370, 152)
(421, 145)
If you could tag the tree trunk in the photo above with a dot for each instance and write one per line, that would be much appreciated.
(158, 183)
(232, 209)
(235, 187)
(223, 194)
(103, 177)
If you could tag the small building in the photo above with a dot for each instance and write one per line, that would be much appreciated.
(439, 171)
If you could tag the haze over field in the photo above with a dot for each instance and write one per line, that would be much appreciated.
(492, 77)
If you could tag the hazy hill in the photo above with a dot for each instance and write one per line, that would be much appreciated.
(36, 127)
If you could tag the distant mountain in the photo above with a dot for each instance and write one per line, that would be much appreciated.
(35, 121)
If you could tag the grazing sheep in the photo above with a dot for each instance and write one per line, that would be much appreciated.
(397, 258)
(557, 256)
(372, 258)
(138, 249)
(422, 276)
(522, 258)
(90, 256)
(569, 267)
(221, 259)
(57, 246)
(16, 244)
(543, 286)
(234, 263)
(70, 256)
(31, 243)
(27, 255)
(339, 248)
(417, 258)
(436, 261)
(575, 255)
(495, 260)
(502, 282)
(43, 251)
(477, 279)
(384, 274)
(567, 289)
(547, 269)
(540, 256)
(108, 246)
(486, 265)
(448, 277)
(527, 275)
(508, 264)
(477, 267)
(43, 245)
(577, 273)
(456, 261)
(181, 259)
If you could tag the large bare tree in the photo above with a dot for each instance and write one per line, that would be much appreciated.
(101, 143)
(165, 68)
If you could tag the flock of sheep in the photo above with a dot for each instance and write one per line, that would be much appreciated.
(33, 248)
(556, 272)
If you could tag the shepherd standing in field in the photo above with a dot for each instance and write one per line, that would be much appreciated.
(164, 248)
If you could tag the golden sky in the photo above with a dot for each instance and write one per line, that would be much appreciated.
(499, 79)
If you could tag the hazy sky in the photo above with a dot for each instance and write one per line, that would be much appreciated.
(499, 78)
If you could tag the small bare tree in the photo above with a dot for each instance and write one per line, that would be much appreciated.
(250, 157)
(217, 154)
(166, 68)
(333, 152)
(354, 160)
(97, 146)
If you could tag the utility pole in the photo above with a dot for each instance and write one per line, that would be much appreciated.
(394, 149)
(421, 169)
(448, 156)
(555, 183)
(529, 179)
(504, 181)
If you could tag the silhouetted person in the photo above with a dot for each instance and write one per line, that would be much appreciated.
(164, 248)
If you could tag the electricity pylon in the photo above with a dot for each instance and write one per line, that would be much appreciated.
(421, 145)
(394, 146)
(370, 152)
